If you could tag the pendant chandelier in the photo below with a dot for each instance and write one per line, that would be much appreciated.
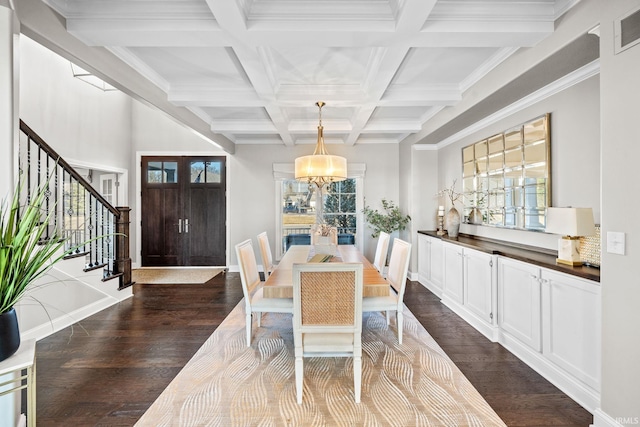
(321, 167)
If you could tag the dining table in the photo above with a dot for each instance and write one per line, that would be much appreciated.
(280, 283)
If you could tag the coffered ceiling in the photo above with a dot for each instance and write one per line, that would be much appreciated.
(252, 70)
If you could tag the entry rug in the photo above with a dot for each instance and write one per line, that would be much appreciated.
(174, 275)
(227, 383)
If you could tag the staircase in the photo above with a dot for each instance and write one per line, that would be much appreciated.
(97, 232)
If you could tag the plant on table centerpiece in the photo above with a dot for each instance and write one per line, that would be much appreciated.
(453, 216)
(28, 250)
(389, 220)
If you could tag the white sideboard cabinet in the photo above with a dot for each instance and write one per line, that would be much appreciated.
(430, 263)
(519, 304)
(469, 286)
(546, 314)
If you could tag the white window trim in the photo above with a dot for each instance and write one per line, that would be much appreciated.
(285, 171)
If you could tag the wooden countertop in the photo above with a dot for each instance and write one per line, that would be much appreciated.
(538, 256)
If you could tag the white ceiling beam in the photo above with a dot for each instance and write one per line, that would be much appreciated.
(392, 126)
(214, 97)
(148, 33)
(426, 96)
(243, 126)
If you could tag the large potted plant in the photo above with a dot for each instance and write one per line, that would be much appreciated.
(28, 249)
(389, 220)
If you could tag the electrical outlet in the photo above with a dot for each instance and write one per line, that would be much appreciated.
(615, 242)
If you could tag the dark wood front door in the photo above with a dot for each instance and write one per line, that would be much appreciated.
(183, 211)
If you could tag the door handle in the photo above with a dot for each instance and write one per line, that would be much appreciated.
(186, 225)
(179, 225)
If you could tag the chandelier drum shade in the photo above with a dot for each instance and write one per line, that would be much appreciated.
(321, 167)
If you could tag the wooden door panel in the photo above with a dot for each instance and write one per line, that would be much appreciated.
(160, 240)
(197, 200)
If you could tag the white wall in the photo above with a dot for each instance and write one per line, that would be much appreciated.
(78, 120)
(620, 95)
(575, 156)
(252, 192)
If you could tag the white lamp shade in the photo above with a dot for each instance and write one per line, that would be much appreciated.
(573, 222)
(323, 166)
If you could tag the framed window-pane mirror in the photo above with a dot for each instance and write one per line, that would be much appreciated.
(507, 177)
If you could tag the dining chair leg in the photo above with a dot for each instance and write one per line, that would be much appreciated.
(299, 378)
(388, 317)
(357, 377)
(259, 316)
(399, 322)
(248, 327)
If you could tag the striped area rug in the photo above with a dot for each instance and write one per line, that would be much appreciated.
(227, 383)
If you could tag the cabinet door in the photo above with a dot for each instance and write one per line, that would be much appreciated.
(424, 258)
(478, 284)
(436, 263)
(453, 272)
(519, 301)
(571, 325)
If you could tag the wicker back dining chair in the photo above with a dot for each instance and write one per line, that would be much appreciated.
(327, 316)
(254, 301)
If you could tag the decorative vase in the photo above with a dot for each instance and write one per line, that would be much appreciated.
(453, 222)
(475, 216)
(9, 334)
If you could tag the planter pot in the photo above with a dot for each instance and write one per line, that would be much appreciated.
(453, 222)
(9, 334)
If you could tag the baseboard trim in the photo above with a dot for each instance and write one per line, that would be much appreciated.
(67, 319)
(602, 419)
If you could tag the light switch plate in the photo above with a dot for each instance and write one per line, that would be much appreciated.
(615, 242)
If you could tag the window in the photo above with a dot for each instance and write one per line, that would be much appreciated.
(296, 205)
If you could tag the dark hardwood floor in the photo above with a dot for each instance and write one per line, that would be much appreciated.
(109, 370)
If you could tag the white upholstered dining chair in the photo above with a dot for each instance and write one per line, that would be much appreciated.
(380, 258)
(397, 277)
(265, 253)
(327, 316)
(254, 301)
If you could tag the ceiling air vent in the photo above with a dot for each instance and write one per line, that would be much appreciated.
(627, 31)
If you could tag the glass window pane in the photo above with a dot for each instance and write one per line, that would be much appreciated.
(197, 172)
(214, 172)
(170, 170)
(154, 172)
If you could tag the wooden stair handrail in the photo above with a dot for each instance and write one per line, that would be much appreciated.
(67, 167)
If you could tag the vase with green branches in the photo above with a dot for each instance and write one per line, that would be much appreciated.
(389, 220)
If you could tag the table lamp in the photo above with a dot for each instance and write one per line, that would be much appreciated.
(571, 223)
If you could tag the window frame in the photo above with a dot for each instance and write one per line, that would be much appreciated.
(285, 171)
